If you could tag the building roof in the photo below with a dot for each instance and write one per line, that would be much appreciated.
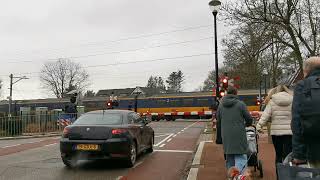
(117, 92)
(128, 92)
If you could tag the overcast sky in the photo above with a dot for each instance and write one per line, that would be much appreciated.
(34, 32)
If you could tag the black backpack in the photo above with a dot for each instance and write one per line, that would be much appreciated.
(310, 108)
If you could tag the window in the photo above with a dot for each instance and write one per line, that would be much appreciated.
(161, 102)
(134, 118)
(174, 102)
(100, 119)
(187, 102)
(203, 102)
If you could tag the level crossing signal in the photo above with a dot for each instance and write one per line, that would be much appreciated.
(259, 100)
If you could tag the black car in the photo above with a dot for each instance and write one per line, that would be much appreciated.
(106, 134)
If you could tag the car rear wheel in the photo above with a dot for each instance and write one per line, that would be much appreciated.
(132, 156)
(70, 163)
(150, 149)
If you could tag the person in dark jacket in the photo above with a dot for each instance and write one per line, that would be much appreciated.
(232, 118)
(306, 148)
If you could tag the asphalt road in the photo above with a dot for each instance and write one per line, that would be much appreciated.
(39, 158)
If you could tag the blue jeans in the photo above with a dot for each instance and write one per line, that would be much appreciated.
(237, 160)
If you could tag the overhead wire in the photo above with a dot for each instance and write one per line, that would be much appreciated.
(118, 52)
(132, 62)
(136, 37)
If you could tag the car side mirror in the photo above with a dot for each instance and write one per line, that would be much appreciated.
(146, 120)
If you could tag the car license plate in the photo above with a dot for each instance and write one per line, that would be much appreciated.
(88, 147)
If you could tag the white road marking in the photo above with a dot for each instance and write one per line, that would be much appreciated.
(11, 146)
(176, 151)
(169, 140)
(193, 173)
(174, 135)
(162, 145)
(137, 164)
(197, 157)
(32, 142)
(162, 135)
(178, 133)
(51, 144)
(164, 140)
(182, 130)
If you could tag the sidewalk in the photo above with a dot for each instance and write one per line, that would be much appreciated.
(212, 163)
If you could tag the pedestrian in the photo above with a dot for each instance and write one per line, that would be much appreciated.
(232, 119)
(306, 116)
(278, 113)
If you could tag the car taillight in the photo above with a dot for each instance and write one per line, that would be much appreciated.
(66, 131)
(118, 131)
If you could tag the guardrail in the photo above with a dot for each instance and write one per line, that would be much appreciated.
(28, 125)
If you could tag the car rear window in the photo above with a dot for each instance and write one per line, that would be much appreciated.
(100, 119)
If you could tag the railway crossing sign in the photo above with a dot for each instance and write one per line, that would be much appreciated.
(225, 81)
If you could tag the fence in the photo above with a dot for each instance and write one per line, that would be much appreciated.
(27, 125)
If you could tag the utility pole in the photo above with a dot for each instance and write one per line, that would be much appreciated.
(11, 84)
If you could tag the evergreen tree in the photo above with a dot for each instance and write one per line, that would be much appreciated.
(175, 81)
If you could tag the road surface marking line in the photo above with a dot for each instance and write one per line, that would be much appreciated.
(33, 142)
(169, 140)
(182, 130)
(137, 164)
(197, 157)
(11, 146)
(174, 135)
(193, 173)
(161, 135)
(50, 144)
(176, 151)
(191, 125)
(178, 133)
(164, 140)
(162, 145)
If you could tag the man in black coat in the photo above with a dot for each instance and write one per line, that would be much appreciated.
(305, 122)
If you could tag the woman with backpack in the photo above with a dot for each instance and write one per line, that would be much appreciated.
(278, 112)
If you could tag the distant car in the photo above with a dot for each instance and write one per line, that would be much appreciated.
(106, 134)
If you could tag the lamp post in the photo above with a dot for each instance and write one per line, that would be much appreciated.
(215, 6)
(265, 73)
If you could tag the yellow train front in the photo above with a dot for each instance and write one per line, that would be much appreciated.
(192, 105)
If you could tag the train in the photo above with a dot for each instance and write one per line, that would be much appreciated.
(160, 106)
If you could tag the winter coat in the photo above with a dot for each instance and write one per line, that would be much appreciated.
(301, 149)
(232, 118)
(278, 112)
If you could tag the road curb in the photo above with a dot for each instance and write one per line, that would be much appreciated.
(29, 137)
(193, 173)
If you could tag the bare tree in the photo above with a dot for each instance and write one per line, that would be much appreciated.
(90, 93)
(62, 76)
(0, 87)
(243, 52)
(296, 22)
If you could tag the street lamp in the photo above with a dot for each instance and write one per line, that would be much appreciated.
(215, 6)
(265, 73)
